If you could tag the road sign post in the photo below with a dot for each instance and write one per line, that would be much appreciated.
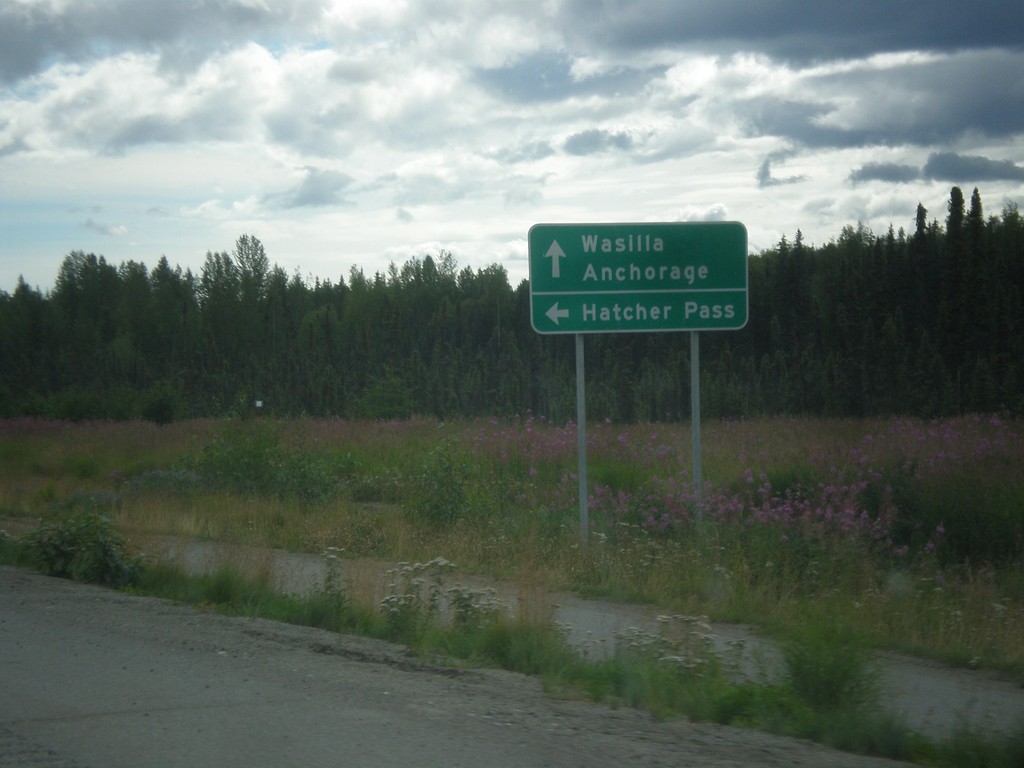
(581, 440)
(638, 277)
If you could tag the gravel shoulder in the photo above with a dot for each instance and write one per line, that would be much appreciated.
(928, 697)
(92, 677)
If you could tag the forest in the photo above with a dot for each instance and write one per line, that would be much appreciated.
(926, 324)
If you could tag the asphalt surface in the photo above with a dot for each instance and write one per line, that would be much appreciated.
(92, 677)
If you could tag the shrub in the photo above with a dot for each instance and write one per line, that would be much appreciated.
(160, 404)
(965, 517)
(84, 547)
(254, 461)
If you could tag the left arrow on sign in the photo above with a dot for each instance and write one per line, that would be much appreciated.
(555, 314)
(555, 253)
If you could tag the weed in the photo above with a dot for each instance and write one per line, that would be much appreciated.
(227, 586)
(440, 486)
(413, 602)
(828, 668)
(331, 607)
(83, 467)
(675, 671)
(163, 481)
(529, 648)
(473, 608)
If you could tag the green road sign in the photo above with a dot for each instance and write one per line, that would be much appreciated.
(620, 278)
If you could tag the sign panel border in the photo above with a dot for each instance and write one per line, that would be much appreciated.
(673, 270)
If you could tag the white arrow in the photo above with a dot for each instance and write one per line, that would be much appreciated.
(555, 314)
(555, 253)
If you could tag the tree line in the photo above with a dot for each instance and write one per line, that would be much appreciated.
(928, 323)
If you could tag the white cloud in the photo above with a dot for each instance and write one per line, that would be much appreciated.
(373, 129)
(688, 213)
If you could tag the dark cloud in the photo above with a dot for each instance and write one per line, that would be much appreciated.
(520, 190)
(148, 129)
(544, 76)
(425, 188)
(797, 30)
(890, 172)
(322, 131)
(792, 120)
(935, 101)
(593, 141)
(114, 134)
(525, 153)
(13, 146)
(319, 188)
(918, 103)
(942, 166)
(34, 35)
(805, 124)
(104, 229)
(946, 166)
(764, 172)
(548, 76)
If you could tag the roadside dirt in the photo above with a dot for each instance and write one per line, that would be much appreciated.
(92, 677)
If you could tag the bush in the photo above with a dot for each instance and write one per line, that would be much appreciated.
(84, 547)
(160, 404)
(254, 461)
(440, 487)
(828, 668)
(12, 550)
(964, 515)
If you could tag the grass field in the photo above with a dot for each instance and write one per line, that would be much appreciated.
(910, 533)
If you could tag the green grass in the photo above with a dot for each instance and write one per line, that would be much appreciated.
(967, 749)
(228, 590)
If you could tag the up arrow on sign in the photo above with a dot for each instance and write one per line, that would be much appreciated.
(555, 253)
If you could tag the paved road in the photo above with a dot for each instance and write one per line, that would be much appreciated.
(91, 677)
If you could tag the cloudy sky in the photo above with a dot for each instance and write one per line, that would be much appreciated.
(361, 132)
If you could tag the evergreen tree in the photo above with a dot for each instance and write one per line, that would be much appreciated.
(863, 325)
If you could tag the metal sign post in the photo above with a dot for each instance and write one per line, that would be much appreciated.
(636, 277)
(698, 485)
(581, 440)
